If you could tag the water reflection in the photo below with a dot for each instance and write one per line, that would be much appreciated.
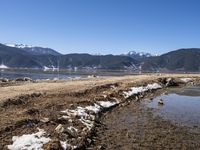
(182, 106)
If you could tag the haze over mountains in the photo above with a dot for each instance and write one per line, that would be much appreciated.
(24, 56)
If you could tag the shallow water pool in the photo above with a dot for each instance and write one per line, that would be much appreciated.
(181, 106)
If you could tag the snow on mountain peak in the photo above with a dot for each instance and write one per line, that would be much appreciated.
(141, 54)
(19, 45)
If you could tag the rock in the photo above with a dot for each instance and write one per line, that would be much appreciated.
(32, 111)
(27, 79)
(44, 120)
(59, 128)
(101, 147)
(168, 81)
(19, 79)
(160, 102)
(35, 95)
(89, 141)
(4, 80)
(53, 145)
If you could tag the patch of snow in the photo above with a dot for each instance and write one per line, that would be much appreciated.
(19, 45)
(96, 108)
(67, 146)
(186, 79)
(137, 90)
(2, 66)
(29, 141)
(81, 112)
(153, 86)
(107, 104)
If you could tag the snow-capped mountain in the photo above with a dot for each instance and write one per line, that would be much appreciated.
(138, 55)
(19, 45)
(35, 50)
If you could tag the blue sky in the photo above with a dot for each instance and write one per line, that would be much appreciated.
(102, 26)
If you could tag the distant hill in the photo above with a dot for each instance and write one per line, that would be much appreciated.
(102, 61)
(178, 60)
(13, 56)
(21, 56)
(35, 50)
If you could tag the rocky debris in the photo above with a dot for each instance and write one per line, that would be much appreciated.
(101, 147)
(4, 80)
(53, 145)
(27, 79)
(168, 82)
(32, 111)
(24, 79)
(59, 128)
(160, 102)
(44, 120)
(17, 80)
(20, 100)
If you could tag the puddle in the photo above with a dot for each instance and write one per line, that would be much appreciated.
(181, 106)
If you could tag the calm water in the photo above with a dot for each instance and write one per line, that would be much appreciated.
(181, 106)
(36, 75)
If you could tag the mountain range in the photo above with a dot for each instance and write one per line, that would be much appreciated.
(24, 56)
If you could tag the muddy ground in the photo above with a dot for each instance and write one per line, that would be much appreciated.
(25, 106)
(136, 127)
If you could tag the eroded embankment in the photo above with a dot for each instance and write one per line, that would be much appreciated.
(67, 120)
(136, 127)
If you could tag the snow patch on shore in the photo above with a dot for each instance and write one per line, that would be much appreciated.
(186, 79)
(29, 141)
(84, 113)
(137, 90)
(107, 104)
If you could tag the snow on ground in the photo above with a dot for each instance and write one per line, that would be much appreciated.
(137, 90)
(107, 104)
(96, 108)
(83, 114)
(29, 141)
(186, 79)
(66, 146)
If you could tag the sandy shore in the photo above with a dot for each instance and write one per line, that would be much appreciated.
(52, 106)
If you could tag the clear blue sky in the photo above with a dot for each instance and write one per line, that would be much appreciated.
(102, 26)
